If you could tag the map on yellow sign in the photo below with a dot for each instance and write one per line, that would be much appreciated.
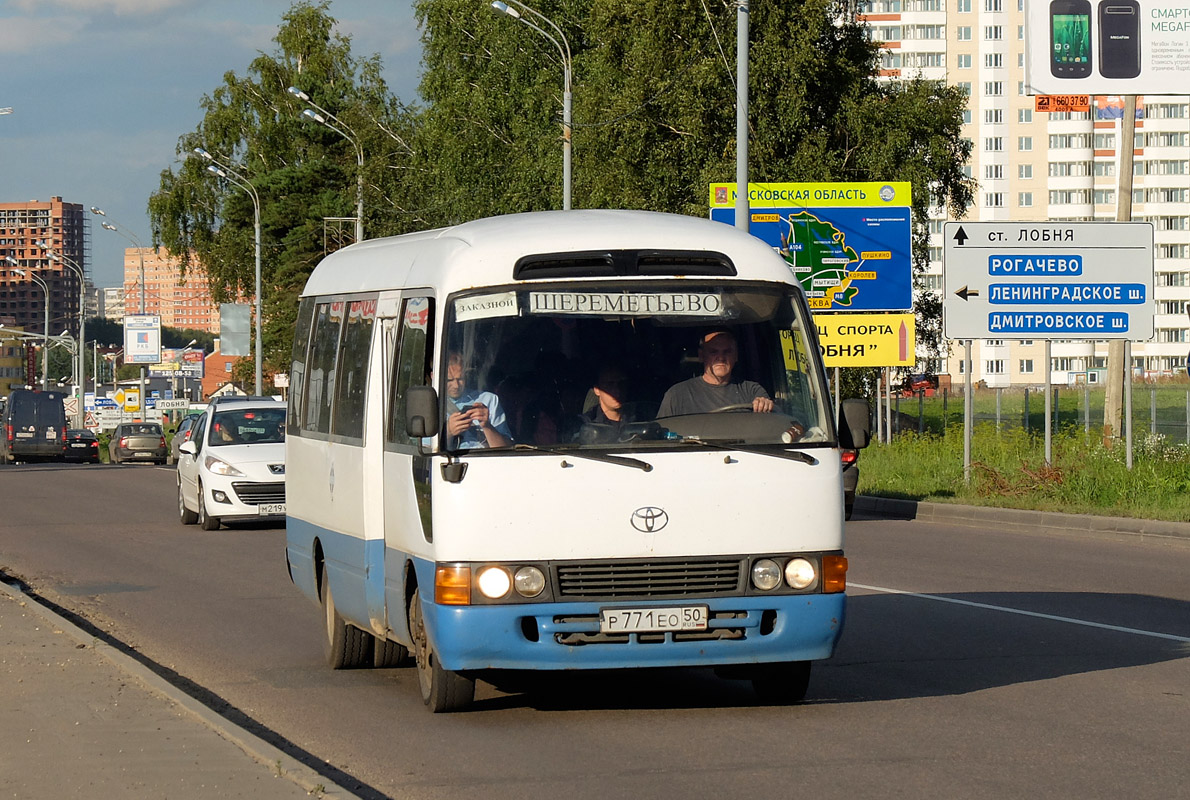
(848, 244)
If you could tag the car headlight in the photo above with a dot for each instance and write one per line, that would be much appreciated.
(766, 574)
(217, 466)
(494, 582)
(799, 573)
(529, 581)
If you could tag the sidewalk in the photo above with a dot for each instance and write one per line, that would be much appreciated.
(78, 718)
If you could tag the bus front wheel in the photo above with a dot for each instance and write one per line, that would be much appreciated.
(781, 684)
(441, 690)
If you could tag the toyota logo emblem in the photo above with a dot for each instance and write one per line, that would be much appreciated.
(649, 519)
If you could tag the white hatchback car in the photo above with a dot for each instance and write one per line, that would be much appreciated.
(233, 466)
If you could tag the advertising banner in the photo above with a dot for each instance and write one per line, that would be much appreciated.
(848, 244)
(867, 340)
(1107, 46)
(142, 339)
(177, 363)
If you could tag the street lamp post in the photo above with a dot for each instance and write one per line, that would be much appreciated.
(564, 52)
(321, 116)
(140, 251)
(45, 331)
(82, 356)
(229, 174)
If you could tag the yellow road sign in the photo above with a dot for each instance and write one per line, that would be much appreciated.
(867, 340)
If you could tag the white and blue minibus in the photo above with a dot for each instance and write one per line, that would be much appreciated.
(501, 454)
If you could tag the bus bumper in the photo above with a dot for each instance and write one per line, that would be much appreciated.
(565, 636)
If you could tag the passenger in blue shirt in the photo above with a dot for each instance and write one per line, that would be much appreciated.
(474, 419)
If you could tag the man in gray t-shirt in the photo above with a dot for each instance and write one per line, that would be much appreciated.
(714, 389)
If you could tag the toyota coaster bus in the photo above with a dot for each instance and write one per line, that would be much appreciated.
(487, 469)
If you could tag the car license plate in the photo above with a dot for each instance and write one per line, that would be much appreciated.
(652, 620)
(78, 444)
(142, 455)
(269, 509)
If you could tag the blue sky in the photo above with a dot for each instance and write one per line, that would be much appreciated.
(102, 89)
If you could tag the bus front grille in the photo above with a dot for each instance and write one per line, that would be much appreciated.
(641, 579)
(254, 494)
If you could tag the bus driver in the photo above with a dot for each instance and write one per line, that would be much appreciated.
(715, 389)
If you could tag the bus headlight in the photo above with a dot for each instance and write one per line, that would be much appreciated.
(799, 573)
(494, 582)
(529, 581)
(766, 574)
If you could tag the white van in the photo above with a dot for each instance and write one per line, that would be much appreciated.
(566, 440)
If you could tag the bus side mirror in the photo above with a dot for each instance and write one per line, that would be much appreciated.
(856, 424)
(421, 412)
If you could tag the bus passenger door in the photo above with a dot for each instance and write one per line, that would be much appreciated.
(408, 532)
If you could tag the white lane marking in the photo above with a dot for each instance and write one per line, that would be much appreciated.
(1034, 614)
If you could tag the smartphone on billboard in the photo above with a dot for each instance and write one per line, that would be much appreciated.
(1070, 38)
(1119, 38)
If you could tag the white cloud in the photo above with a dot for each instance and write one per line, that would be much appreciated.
(121, 7)
(25, 35)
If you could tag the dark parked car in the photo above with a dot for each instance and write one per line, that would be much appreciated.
(81, 445)
(181, 436)
(137, 441)
(850, 480)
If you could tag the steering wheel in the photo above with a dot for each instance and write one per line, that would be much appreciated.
(732, 407)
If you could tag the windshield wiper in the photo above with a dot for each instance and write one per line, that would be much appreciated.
(623, 461)
(796, 455)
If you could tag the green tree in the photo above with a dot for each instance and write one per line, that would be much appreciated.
(654, 111)
(303, 172)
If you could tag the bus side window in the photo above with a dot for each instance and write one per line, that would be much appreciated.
(297, 370)
(352, 373)
(320, 375)
(411, 361)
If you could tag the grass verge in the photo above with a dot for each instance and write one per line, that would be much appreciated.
(1008, 470)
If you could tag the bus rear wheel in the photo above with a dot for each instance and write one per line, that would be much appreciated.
(346, 645)
(781, 684)
(441, 690)
(387, 653)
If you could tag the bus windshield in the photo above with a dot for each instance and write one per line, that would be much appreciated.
(631, 366)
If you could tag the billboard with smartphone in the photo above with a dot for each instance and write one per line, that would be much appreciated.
(1108, 46)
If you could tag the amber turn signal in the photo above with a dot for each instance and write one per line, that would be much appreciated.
(452, 585)
(834, 574)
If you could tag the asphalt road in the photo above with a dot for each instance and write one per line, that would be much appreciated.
(976, 663)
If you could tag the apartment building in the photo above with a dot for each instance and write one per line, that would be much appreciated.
(113, 303)
(64, 229)
(1038, 167)
(181, 302)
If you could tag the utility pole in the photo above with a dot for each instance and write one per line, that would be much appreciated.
(1113, 400)
(742, 211)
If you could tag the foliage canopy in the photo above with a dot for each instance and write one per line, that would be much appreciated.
(653, 125)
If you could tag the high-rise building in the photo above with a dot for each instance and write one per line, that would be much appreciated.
(63, 228)
(113, 303)
(1038, 167)
(181, 302)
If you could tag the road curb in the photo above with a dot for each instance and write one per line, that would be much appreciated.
(258, 749)
(894, 508)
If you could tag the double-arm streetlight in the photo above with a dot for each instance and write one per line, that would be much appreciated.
(45, 331)
(324, 117)
(140, 251)
(564, 51)
(230, 175)
(82, 356)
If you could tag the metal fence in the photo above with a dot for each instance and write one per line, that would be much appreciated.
(1156, 409)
